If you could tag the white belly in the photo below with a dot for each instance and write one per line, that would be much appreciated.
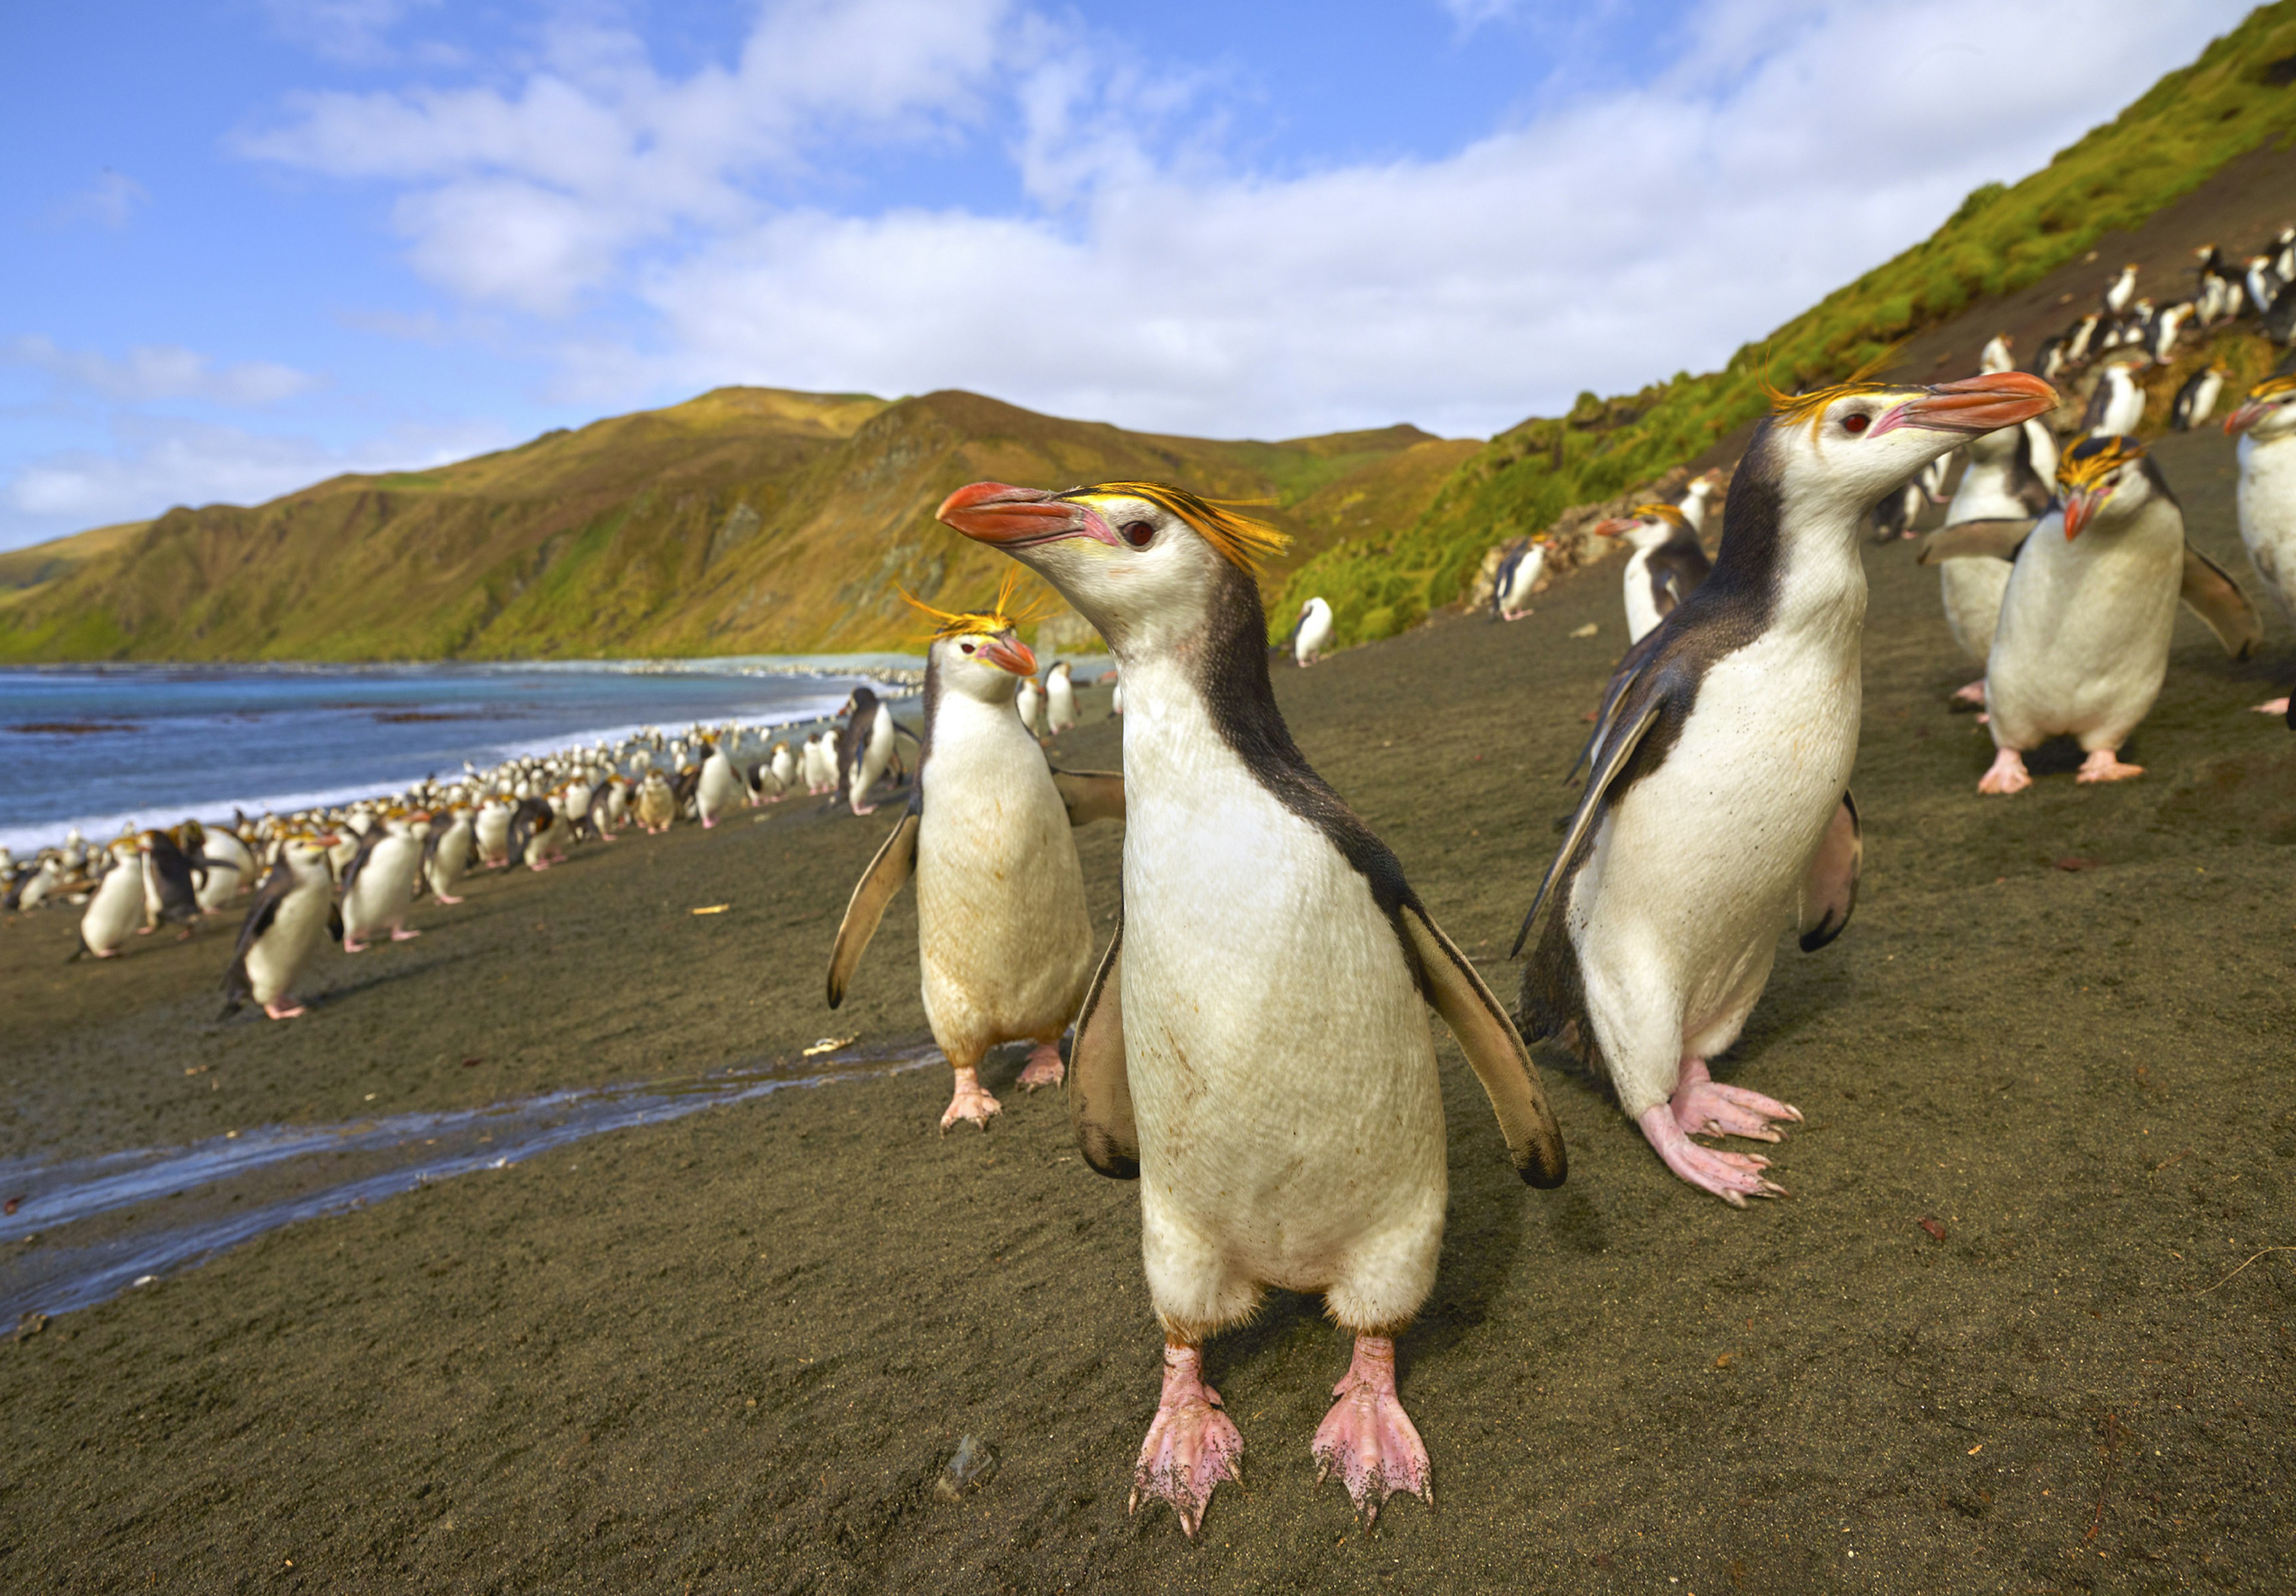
(1676, 911)
(2267, 514)
(379, 898)
(1281, 1070)
(1004, 938)
(116, 909)
(2082, 645)
(1642, 609)
(1972, 588)
(287, 944)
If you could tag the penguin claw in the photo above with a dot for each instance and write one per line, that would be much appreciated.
(970, 1101)
(1732, 1177)
(1045, 1068)
(1191, 1445)
(1367, 1438)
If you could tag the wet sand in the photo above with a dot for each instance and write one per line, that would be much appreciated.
(734, 1354)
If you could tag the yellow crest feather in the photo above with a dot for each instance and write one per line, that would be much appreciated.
(1243, 542)
(1002, 615)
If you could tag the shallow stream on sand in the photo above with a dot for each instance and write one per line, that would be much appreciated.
(82, 1230)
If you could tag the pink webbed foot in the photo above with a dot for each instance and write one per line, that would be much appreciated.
(2103, 764)
(1975, 692)
(403, 934)
(971, 1101)
(1367, 1439)
(2272, 706)
(2008, 774)
(1704, 1107)
(145, 930)
(1734, 1177)
(1045, 1067)
(290, 1011)
(443, 898)
(1191, 1445)
(351, 944)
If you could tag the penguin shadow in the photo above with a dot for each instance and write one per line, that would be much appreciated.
(383, 975)
(2062, 756)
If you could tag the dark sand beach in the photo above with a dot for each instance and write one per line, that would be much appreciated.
(735, 1353)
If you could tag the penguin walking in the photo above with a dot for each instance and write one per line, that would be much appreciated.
(1665, 568)
(720, 788)
(2120, 291)
(1518, 576)
(1060, 699)
(1255, 1046)
(490, 830)
(785, 767)
(229, 867)
(1004, 936)
(115, 910)
(2117, 406)
(1312, 633)
(447, 854)
(2002, 492)
(2265, 425)
(379, 884)
(820, 766)
(2082, 645)
(2196, 400)
(536, 831)
(293, 914)
(865, 748)
(171, 894)
(1716, 814)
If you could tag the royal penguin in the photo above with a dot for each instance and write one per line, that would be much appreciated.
(1311, 634)
(1996, 356)
(2196, 400)
(1717, 812)
(1517, 577)
(293, 914)
(1255, 1046)
(1004, 936)
(2120, 291)
(1698, 498)
(865, 748)
(537, 833)
(447, 852)
(490, 831)
(657, 805)
(171, 892)
(2265, 425)
(2003, 490)
(1665, 568)
(229, 867)
(1029, 702)
(784, 766)
(115, 910)
(2117, 406)
(2168, 326)
(379, 883)
(720, 791)
(820, 766)
(2082, 644)
(1060, 699)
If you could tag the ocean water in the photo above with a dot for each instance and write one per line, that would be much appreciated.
(103, 747)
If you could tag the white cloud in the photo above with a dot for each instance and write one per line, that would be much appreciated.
(109, 201)
(354, 31)
(157, 463)
(159, 372)
(1147, 279)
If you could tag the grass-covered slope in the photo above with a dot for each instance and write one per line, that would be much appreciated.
(745, 520)
(2239, 96)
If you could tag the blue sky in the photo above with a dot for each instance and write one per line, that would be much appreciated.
(253, 242)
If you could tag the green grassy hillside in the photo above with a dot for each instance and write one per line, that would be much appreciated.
(745, 520)
(2239, 96)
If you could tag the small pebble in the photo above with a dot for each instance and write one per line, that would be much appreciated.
(973, 1464)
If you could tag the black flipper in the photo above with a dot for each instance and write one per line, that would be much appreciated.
(1455, 989)
(1611, 754)
(894, 864)
(1099, 1090)
(2209, 592)
(270, 892)
(1974, 539)
(1829, 892)
(1091, 794)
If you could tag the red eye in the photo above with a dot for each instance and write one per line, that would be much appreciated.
(1855, 424)
(966, 647)
(1138, 534)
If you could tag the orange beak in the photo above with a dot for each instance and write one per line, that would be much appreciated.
(1008, 653)
(1010, 518)
(2080, 509)
(1973, 404)
(1617, 526)
(2243, 418)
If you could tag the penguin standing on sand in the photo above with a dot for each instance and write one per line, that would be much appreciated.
(490, 830)
(820, 766)
(1716, 814)
(379, 884)
(657, 805)
(719, 790)
(1255, 1046)
(171, 892)
(447, 854)
(865, 748)
(1665, 567)
(1002, 933)
(1518, 576)
(2004, 490)
(1311, 634)
(115, 910)
(227, 866)
(2265, 425)
(536, 831)
(785, 767)
(293, 913)
(2082, 645)
(1028, 701)
(1060, 699)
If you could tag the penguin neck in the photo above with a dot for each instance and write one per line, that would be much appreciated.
(1790, 555)
(1212, 679)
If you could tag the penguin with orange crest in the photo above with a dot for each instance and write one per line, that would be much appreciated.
(1003, 932)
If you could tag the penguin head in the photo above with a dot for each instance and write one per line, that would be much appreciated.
(1849, 445)
(1646, 526)
(978, 653)
(2103, 476)
(1143, 561)
(2270, 411)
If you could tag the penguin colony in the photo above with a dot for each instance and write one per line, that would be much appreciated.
(352, 875)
